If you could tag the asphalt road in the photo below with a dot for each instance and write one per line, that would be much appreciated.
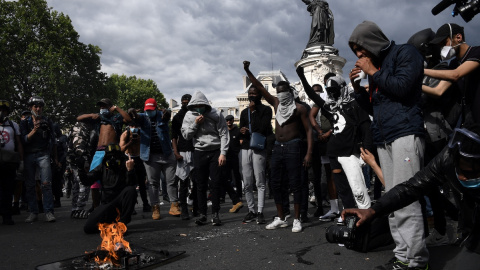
(234, 245)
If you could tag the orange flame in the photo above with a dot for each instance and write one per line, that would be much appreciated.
(112, 240)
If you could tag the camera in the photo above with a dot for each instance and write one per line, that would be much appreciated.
(349, 234)
(466, 9)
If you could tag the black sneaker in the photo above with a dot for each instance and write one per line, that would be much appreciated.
(202, 220)
(216, 220)
(250, 217)
(260, 218)
(393, 264)
(304, 218)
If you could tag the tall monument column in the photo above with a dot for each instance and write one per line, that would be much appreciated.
(319, 57)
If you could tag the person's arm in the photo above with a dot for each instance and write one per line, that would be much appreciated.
(307, 160)
(88, 116)
(259, 86)
(370, 160)
(131, 175)
(244, 131)
(126, 116)
(454, 74)
(224, 140)
(313, 114)
(308, 89)
(401, 81)
(438, 90)
(125, 140)
(190, 125)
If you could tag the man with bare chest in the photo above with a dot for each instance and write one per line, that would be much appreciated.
(110, 127)
(287, 161)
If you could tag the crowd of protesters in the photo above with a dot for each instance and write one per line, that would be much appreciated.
(415, 120)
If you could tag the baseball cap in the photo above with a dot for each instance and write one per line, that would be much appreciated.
(105, 101)
(150, 105)
(229, 117)
(445, 31)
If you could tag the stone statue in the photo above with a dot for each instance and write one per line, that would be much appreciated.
(321, 31)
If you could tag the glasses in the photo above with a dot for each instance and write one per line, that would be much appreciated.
(467, 142)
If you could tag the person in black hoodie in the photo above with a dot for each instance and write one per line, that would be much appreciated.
(183, 151)
(118, 189)
(395, 74)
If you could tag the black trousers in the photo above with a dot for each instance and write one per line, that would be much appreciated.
(341, 183)
(206, 166)
(233, 170)
(107, 213)
(7, 186)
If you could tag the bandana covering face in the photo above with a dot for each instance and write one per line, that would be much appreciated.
(286, 108)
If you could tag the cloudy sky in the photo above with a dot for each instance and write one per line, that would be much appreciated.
(200, 45)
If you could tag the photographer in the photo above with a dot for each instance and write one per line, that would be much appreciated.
(458, 165)
(467, 74)
(130, 144)
(38, 138)
(11, 153)
(118, 188)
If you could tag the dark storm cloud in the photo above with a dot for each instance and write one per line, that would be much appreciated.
(200, 45)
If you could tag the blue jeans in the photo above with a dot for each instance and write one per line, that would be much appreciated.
(286, 166)
(38, 161)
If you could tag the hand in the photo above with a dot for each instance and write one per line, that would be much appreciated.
(222, 160)
(368, 157)
(243, 130)
(112, 108)
(307, 161)
(166, 114)
(354, 73)
(130, 163)
(199, 120)
(95, 116)
(364, 214)
(178, 157)
(366, 65)
(246, 65)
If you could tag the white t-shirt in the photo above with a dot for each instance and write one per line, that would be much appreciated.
(6, 131)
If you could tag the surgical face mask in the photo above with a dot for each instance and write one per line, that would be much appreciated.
(448, 52)
(200, 110)
(104, 112)
(34, 114)
(285, 98)
(151, 114)
(470, 183)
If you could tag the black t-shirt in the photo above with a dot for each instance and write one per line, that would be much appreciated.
(182, 144)
(471, 82)
(351, 129)
(234, 146)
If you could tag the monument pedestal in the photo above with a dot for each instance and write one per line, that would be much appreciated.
(317, 61)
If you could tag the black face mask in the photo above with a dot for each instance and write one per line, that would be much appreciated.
(184, 107)
(255, 99)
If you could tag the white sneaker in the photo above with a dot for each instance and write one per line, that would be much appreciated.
(161, 203)
(49, 217)
(189, 201)
(436, 239)
(297, 226)
(31, 218)
(277, 223)
(329, 216)
(209, 203)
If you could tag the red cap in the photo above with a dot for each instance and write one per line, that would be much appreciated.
(150, 104)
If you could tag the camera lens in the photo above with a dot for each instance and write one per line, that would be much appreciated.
(337, 234)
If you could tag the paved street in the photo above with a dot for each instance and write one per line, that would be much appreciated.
(232, 246)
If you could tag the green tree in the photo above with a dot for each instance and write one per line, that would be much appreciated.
(41, 55)
(133, 91)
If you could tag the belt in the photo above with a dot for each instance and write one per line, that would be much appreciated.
(289, 142)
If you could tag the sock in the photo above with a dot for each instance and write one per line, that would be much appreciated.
(334, 205)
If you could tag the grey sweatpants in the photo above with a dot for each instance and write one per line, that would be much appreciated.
(253, 168)
(400, 160)
(160, 163)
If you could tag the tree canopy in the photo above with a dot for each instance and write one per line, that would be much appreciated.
(41, 55)
(133, 91)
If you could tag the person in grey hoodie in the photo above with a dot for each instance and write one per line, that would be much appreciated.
(209, 132)
(395, 74)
